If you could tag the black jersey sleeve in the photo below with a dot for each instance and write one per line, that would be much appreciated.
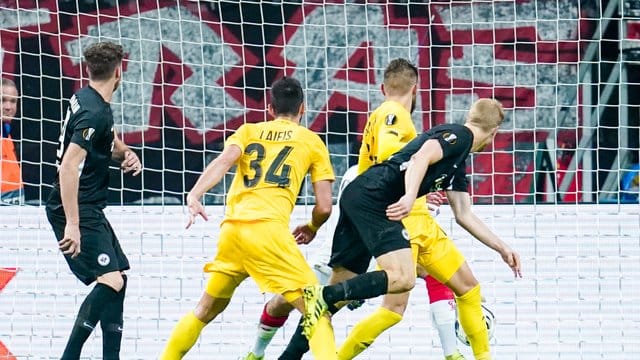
(84, 129)
(454, 142)
(459, 182)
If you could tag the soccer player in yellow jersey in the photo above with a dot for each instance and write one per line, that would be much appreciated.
(388, 130)
(272, 160)
(371, 210)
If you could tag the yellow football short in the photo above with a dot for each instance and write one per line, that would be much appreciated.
(432, 248)
(264, 250)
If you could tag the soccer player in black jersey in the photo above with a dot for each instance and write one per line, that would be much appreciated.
(87, 145)
(372, 206)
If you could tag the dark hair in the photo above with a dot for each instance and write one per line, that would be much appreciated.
(400, 75)
(102, 59)
(286, 96)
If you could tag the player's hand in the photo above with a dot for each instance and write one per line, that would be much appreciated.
(434, 200)
(130, 163)
(512, 259)
(70, 243)
(195, 209)
(399, 210)
(303, 234)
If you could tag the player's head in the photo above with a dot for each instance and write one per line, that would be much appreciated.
(401, 79)
(485, 115)
(287, 98)
(9, 95)
(104, 60)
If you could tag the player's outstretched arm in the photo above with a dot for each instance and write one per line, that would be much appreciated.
(304, 234)
(213, 173)
(128, 159)
(461, 205)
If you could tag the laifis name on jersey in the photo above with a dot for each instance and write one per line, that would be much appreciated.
(272, 135)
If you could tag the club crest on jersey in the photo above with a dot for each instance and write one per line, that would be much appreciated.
(450, 138)
(104, 259)
(391, 119)
(87, 133)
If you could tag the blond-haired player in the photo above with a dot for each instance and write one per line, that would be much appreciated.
(388, 130)
(372, 208)
(272, 160)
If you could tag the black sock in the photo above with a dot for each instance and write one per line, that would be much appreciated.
(87, 318)
(111, 323)
(332, 308)
(364, 286)
(298, 345)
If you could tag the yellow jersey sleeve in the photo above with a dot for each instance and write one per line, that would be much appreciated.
(239, 138)
(321, 168)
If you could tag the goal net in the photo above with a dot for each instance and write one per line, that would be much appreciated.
(561, 185)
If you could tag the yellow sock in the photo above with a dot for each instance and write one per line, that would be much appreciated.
(366, 331)
(323, 343)
(472, 321)
(183, 337)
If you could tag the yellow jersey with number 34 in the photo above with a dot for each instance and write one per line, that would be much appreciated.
(276, 156)
(388, 129)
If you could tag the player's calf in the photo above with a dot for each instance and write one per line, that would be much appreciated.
(111, 322)
(87, 318)
(473, 322)
(274, 315)
(443, 315)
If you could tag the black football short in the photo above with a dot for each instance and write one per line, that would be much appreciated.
(100, 251)
(363, 229)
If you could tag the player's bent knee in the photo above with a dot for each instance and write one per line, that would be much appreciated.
(339, 274)
(401, 279)
(209, 307)
(400, 284)
(408, 283)
(278, 306)
(277, 301)
(462, 281)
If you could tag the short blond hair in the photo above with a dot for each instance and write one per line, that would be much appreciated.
(487, 114)
(400, 76)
